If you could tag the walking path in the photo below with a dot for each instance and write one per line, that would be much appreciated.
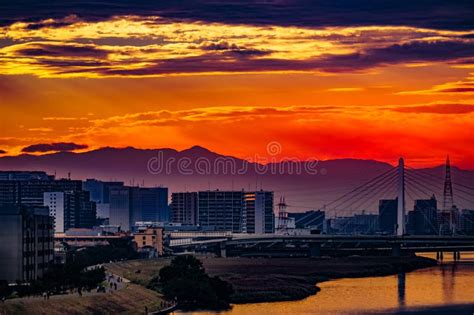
(113, 283)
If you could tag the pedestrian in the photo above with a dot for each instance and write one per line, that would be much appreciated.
(115, 286)
(44, 296)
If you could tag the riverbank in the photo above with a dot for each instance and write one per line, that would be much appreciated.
(279, 279)
(288, 279)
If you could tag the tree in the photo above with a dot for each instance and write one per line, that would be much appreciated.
(4, 289)
(186, 280)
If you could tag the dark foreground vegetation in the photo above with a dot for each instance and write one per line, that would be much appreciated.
(73, 275)
(186, 282)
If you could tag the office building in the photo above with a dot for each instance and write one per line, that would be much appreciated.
(154, 204)
(30, 192)
(99, 192)
(122, 201)
(70, 209)
(80, 212)
(388, 215)
(55, 202)
(232, 211)
(27, 244)
(466, 222)
(423, 220)
(184, 207)
(257, 214)
(221, 210)
(38, 189)
(129, 205)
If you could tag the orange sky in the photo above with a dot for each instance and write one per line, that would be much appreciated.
(235, 88)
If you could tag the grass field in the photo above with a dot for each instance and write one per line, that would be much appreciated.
(130, 300)
(138, 271)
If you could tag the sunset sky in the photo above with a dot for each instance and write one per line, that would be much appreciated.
(325, 79)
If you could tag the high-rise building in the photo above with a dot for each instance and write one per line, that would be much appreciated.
(55, 202)
(99, 192)
(80, 212)
(121, 207)
(257, 213)
(129, 205)
(221, 210)
(184, 207)
(27, 242)
(154, 204)
(71, 209)
(423, 220)
(234, 211)
(38, 189)
(388, 215)
(30, 192)
(466, 222)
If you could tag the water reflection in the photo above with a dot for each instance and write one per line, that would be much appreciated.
(447, 284)
(401, 290)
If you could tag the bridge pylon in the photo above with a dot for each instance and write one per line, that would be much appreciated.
(401, 198)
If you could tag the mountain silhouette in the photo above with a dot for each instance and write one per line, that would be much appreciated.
(306, 185)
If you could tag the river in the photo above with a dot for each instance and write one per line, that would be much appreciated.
(445, 286)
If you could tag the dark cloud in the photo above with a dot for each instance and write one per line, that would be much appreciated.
(437, 14)
(3, 151)
(418, 51)
(232, 49)
(457, 90)
(221, 45)
(437, 109)
(48, 147)
(62, 50)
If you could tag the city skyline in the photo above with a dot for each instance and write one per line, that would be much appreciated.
(236, 157)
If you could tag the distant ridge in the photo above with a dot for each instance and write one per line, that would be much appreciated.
(331, 178)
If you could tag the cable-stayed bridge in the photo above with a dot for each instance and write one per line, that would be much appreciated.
(423, 228)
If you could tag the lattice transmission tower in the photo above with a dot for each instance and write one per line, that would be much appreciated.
(448, 199)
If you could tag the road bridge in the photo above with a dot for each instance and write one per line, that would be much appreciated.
(316, 245)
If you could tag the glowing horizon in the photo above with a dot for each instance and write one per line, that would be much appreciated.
(362, 91)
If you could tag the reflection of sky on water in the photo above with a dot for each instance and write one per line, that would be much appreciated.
(443, 285)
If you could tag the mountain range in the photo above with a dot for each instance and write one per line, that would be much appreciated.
(304, 184)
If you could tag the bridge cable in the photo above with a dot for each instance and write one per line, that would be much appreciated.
(386, 187)
(368, 185)
(361, 186)
(439, 189)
